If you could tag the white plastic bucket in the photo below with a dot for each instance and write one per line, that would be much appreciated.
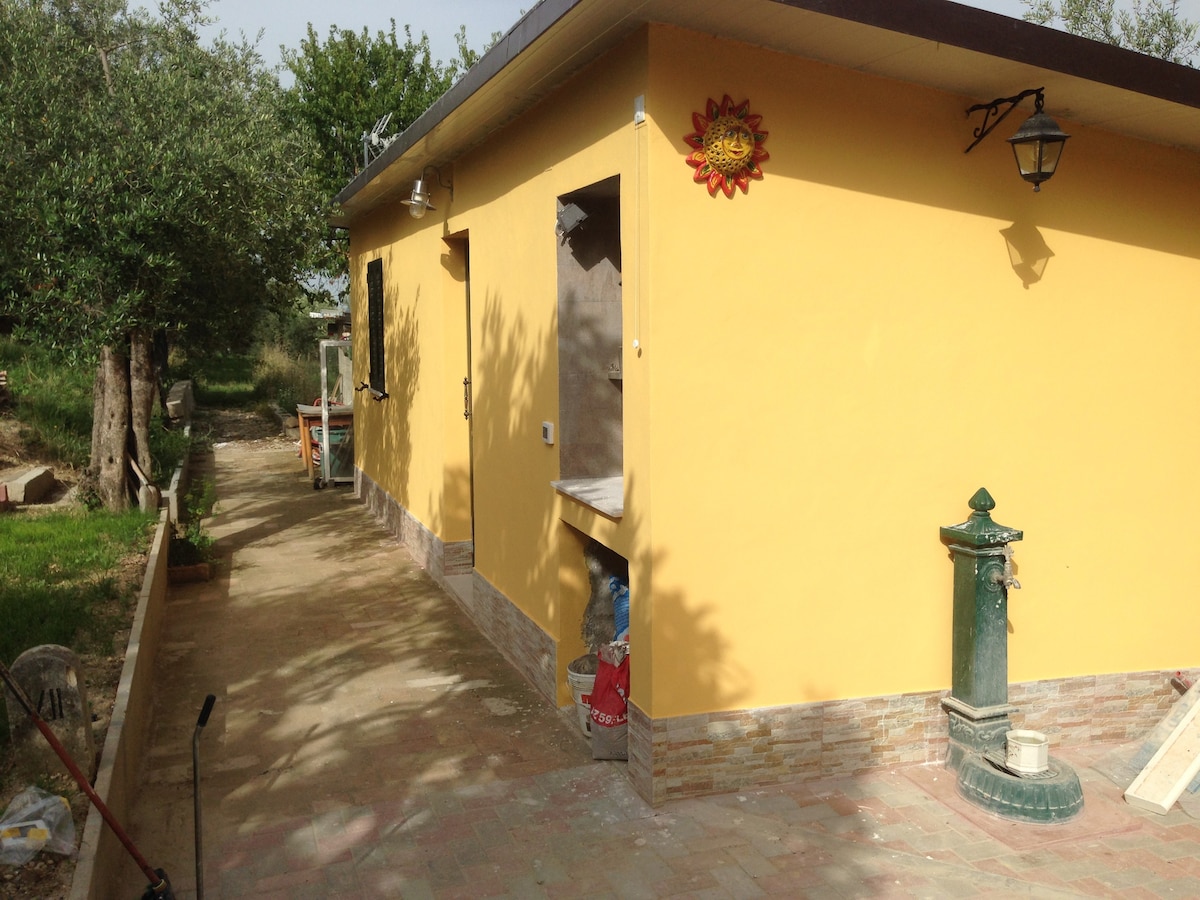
(1027, 752)
(581, 690)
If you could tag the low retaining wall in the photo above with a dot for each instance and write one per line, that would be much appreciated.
(103, 864)
(101, 856)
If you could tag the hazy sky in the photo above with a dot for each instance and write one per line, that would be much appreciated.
(284, 21)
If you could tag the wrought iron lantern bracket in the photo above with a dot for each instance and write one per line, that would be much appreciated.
(993, 115)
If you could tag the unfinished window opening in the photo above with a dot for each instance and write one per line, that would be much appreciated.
(590, 437)
(377, 378)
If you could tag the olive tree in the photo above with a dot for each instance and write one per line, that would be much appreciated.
(151, 189)
(1153, 27)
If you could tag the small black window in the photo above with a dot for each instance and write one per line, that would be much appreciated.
(378, 380)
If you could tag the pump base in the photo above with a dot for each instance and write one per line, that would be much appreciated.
(1051, 796)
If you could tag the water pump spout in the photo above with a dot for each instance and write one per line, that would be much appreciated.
(1006, 577)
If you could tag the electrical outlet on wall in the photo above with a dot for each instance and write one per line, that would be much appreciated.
(548, 432)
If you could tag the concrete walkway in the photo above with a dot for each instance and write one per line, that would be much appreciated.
(367, 742)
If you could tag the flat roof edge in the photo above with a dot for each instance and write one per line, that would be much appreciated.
(516, 40)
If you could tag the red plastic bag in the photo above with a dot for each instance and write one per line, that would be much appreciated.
(610, 707)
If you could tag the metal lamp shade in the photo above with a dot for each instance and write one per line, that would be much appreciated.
(418, 203)
(1038, 145)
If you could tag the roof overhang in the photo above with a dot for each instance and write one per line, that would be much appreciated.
(935, 43)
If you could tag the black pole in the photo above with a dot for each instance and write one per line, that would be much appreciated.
(205, 711)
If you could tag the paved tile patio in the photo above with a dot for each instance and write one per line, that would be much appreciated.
(367, 742)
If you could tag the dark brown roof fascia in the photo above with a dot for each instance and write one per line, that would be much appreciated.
(1014, 39)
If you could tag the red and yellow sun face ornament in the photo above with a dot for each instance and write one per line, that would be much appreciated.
(727, 146)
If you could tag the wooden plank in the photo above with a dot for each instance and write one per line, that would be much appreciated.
(1171, 769)
(137, 470)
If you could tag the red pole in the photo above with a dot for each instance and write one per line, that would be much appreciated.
(158, 881)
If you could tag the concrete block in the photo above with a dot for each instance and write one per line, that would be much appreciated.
(32, 486)
(180, 401)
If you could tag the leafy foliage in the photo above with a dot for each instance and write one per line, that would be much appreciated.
(151, 189)
(194, 544)
(153, 185)
(345, 84)
(151, 181)
(1153, 27)
(351, 80)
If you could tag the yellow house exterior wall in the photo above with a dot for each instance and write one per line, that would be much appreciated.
(407, 439)
(843, 355)
(827, 368)
(503, 210)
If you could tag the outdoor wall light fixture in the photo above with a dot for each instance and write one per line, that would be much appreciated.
(569, 218)
(418, 204)
(1038, 143)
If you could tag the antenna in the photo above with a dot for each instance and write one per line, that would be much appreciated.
(374, 143)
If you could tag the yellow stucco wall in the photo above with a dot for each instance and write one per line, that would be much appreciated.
(415, 443)
(409, 442)
(828, 367)
(842, 356)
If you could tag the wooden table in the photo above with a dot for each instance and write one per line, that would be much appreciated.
(310, 417)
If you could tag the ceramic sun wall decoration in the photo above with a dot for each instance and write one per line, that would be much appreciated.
(727, 144)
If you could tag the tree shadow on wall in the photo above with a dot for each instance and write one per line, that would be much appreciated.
(393, 420)
(518, 545)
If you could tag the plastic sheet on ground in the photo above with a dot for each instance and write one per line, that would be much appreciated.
(35, 820)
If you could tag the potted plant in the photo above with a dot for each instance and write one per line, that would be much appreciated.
(189, 554)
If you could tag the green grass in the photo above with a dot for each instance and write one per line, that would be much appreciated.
(222, 381)
(286, 377)
(53, 402)
(60, 580)
(56, 572)
(270, 375)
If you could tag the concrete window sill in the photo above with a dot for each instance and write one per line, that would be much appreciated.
(605, 495)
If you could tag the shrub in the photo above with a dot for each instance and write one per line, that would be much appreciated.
(192, 542)
(287, 378)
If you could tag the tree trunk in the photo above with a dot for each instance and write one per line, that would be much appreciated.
(142, 388)
(160, 355)
(110, 429)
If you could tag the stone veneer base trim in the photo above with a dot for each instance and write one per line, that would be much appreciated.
(438, 558)
(688, 756)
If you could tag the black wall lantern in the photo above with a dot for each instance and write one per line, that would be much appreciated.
(1038, 143)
